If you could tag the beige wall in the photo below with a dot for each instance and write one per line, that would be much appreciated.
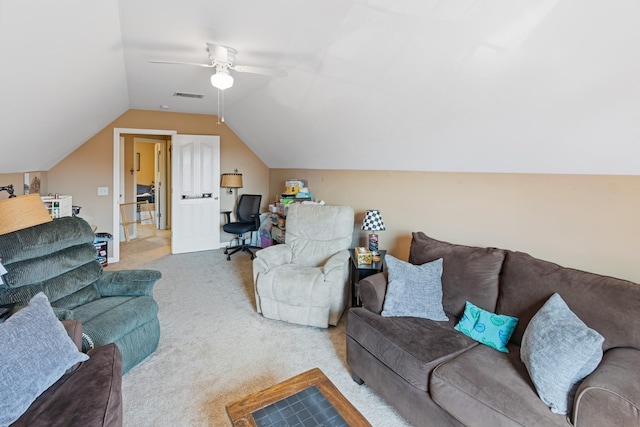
(17, 179)
(581, 221)
(91, 165)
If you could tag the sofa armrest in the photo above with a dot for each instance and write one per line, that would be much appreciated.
(90, 395)
(127, 282)
(611, 394)
(74, 330)
(336, 269)
(372, 292)
(272, 256)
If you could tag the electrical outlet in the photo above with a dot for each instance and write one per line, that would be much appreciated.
(103, 191)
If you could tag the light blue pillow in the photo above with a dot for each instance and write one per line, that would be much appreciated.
(414, 290)
(35, 352)
(487, 328)
(559, 351)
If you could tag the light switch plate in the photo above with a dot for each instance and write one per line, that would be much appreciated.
(103, 191)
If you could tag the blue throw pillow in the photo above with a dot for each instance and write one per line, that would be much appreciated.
(414, 290)
(487, 328)
(559, 351)
(35, 352)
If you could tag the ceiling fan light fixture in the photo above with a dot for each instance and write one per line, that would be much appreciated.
(222, 79)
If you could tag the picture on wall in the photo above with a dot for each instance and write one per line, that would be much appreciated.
(32, 183)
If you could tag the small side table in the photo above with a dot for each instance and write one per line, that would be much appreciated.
(358, 272)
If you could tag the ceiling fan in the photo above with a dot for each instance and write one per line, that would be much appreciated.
(222, 59)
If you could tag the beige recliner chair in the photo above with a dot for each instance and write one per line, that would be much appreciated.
(305, 280)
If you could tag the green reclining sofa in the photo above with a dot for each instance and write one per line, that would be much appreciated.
(59, 259)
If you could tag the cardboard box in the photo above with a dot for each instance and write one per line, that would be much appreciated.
(363, 255)
(22, 212)
(292, 186)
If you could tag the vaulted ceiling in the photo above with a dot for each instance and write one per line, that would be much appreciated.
(547, 86)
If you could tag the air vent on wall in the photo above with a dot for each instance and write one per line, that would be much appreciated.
(188, 95)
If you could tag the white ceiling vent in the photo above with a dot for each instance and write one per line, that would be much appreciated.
(188, 95)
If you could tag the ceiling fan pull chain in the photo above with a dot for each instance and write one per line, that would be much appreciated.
(218, 109)
(220, 106)
(221, 92)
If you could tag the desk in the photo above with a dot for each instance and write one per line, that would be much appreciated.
(358, 272)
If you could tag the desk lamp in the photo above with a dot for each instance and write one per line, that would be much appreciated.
(373, 222)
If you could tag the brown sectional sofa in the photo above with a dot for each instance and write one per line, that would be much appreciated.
(88, 395)
(436, 376)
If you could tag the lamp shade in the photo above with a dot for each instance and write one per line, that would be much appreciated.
(222, 79)
(231, 180)
(22, 212)
(373, 221)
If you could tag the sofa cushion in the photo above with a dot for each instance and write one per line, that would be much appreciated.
(105, 320)
(469, 273)
(36, 352)
(414, 290)
(487, 328)
(485, 388)
(395, 341)
(66, 291)
(35, 270)
(316, 232)
(559, 351)
(44, 239)
(606, 304)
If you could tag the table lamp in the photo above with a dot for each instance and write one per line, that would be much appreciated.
(373, 222)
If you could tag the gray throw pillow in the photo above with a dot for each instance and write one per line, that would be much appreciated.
(559, 351)
(414, 290)
(36, 351)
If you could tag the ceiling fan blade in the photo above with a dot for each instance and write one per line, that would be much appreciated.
(218, 53)
(259, 70)
(181, 63)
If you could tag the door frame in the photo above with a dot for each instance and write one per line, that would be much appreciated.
(117, 170)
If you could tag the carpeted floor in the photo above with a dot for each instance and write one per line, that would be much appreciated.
(214, 347)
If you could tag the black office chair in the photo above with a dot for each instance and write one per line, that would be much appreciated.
(247, 220)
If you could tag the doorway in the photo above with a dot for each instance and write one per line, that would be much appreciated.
(196, 197)
(124, 181)
(152, 164)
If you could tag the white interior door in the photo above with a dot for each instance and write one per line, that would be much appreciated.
(195, 193)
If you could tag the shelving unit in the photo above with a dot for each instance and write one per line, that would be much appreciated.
(58, 206)
(278, 226)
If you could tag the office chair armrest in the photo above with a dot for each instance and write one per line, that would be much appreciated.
(273, 256)
(228, 215)
(256, 220)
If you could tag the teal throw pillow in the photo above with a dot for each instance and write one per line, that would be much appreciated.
(487, 328)
(414, 290)
(559, 351)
